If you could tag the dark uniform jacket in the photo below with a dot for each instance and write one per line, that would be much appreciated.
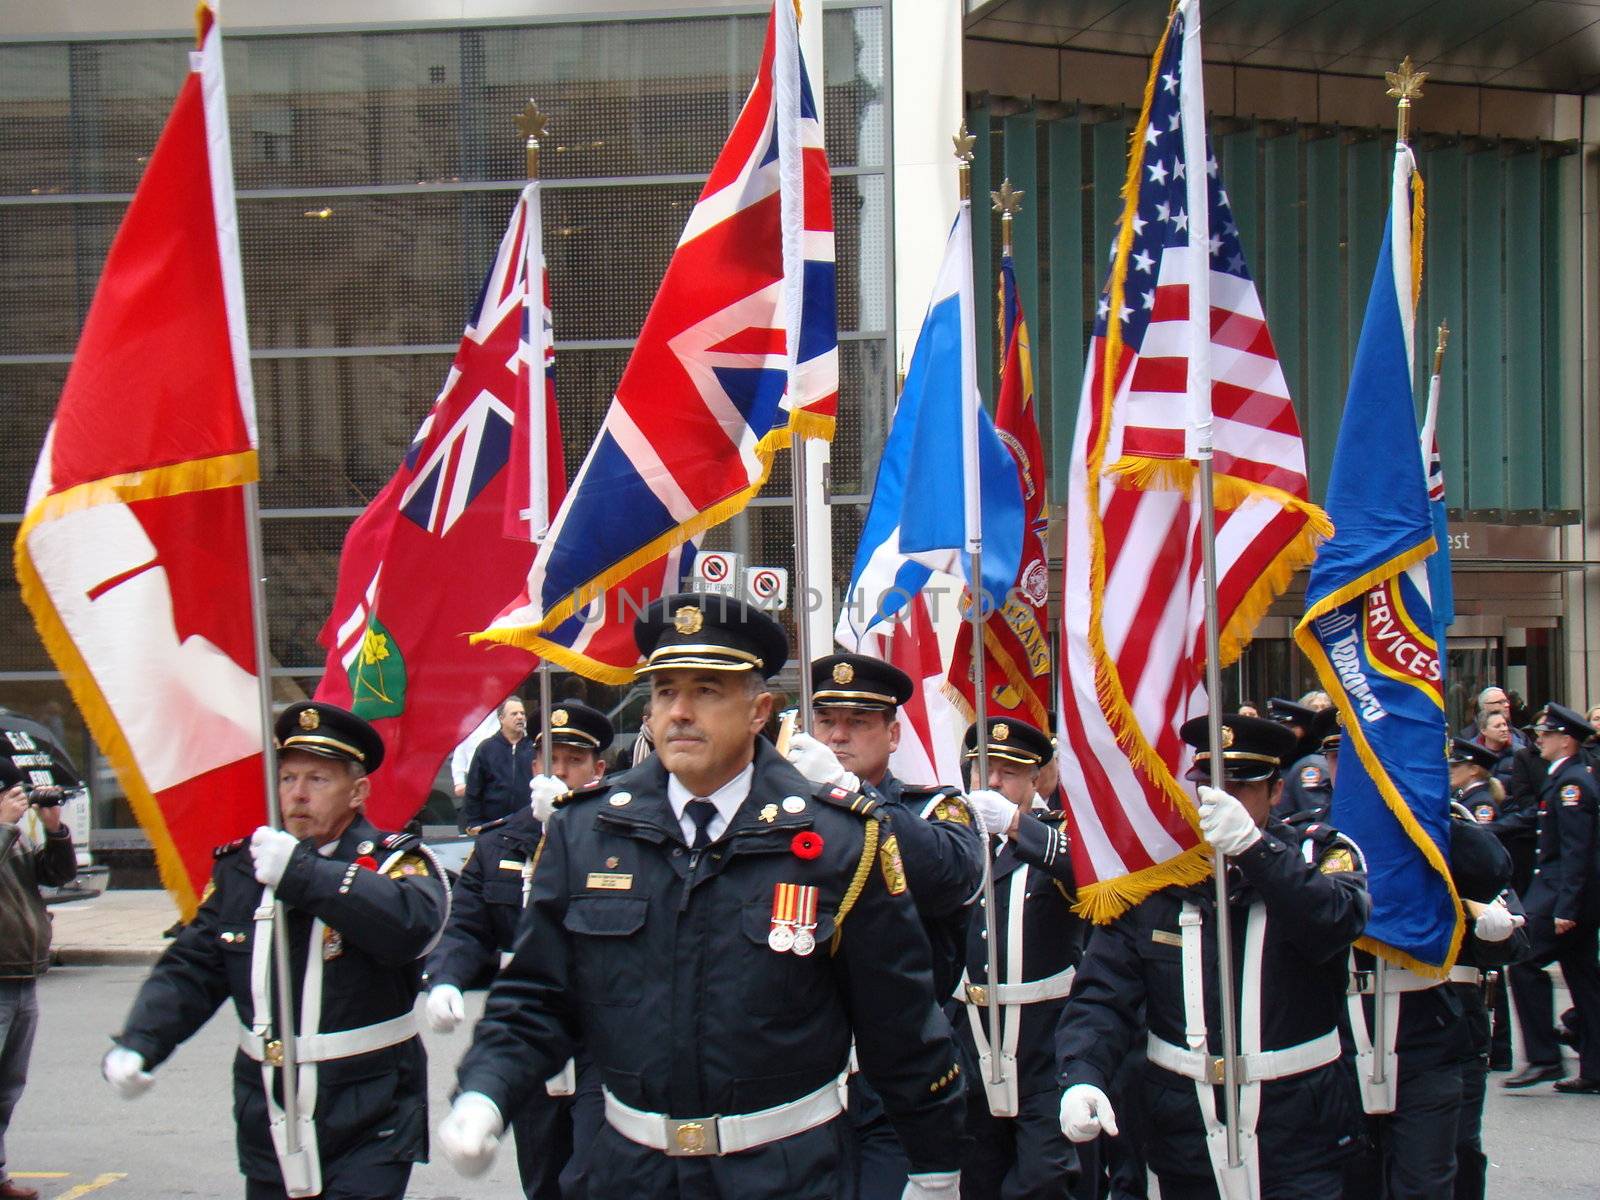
(1565, 884)
(24, 922)
(1314, 912)
(1517, 825)
(486, 903)
(1307, 788)
(944, 866)
(1478, 798)
(497, 780)
(656, 958)
(1052, 941)
(379, 927)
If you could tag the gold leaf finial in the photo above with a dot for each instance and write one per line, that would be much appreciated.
(1438, 348)
(1405, 85)
(1007, 201)
(964, 142)
(531, 122)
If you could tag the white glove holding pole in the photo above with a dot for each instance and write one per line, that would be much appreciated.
(470, 1134)
(446, 1008)
(818, 763)
(124, 1071)
(1086, 1113)
(1226, 823)
(995, 810)
(933, 1185)
(543, 790)
(1496, 923)
(270, 850)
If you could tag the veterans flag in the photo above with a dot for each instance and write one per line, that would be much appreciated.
(430, 560)
(739, 352)
(1016, 638)
(1369, 627)
(132, 553)
(1180, 353)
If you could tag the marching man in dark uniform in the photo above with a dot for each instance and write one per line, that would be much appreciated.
(856, 703)
(1563, 905)
(1307, 784)
(712, 929)
(364, 907)
(485, 907)
(1018, 1150)
(1298, 900)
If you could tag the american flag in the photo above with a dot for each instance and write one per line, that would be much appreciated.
(739, 351)
(1160, 384)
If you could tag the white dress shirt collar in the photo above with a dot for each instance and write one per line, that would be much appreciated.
(727, 798)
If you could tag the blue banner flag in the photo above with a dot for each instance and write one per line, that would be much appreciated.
(1369, 628)
(928, 501)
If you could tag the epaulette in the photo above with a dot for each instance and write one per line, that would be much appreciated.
(589, 791)
(1050, 816)
(494, 824)
(857, 802)
(398, 841)
(1331, 851)
(926, 791)
(231, 848)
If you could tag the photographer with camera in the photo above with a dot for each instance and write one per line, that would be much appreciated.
(32, 852)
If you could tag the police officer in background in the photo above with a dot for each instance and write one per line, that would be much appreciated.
(1307, 786)
(1018, 1150)
(1563, 905)
(486, 907)
(364, 907)
(713, 929)
(1472, 784)
(855, 701)
(1297, 901)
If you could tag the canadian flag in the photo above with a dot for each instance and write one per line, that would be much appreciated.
(132, 552)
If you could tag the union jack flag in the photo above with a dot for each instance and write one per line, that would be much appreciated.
(1168, 372)
(738, 352)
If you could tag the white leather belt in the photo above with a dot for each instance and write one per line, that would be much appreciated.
(1398, 980)
(1035, 991)
(1257, 1067)
(1466, 975)
(324, 1047)
(697, 1136)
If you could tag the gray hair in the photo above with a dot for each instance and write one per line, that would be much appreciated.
(1484, 717)
(1493, 687)
(500, 709)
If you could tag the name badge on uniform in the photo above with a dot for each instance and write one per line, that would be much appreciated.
(794, 919)
(607, 881)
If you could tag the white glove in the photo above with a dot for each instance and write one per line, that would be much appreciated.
(1225, 822)
(470, 1134)
(543, 789)
(1496, 923)
(933, 1185)
(270, 850)
(1086, 1113)
(997, 812)
(445, 1007)
(818, 763)
(124, 1071)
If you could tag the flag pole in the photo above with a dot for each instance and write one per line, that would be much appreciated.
(980, 688)
(531, 123)
(1197, 179)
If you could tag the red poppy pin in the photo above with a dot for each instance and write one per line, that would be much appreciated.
(806, 845)
(367, 861)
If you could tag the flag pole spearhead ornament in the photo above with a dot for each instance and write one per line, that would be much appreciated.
(964, 142)
(531, 123)
(1438, 346)
(1405, 86)
(1008, 203)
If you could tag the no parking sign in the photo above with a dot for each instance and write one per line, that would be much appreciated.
(767, 587)
(717, 572)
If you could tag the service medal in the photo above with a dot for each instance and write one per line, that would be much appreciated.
(781, 938)
(805, 940)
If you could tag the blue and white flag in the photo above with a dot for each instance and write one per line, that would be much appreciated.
(1369, 628)
(1441, 587)
(946, 481)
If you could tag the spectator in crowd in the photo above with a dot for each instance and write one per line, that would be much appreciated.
(1316, 700)
(1594, 717)
(1495, 734)
(1492, 699)
(461, 756)
(502, 769)
(35, 848)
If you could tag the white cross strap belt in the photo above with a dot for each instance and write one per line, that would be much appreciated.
(324, 1047)
(699, 1136)
(1466, 975)
(1036, 991)
(1258, 1067)
(1397, 980)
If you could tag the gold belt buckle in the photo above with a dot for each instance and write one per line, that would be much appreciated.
(272, 1053)
(692, 1139)
(977, 994)
(1215, 1072)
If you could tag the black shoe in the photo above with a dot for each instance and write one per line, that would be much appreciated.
(1579, 1087)
(1535, 1073)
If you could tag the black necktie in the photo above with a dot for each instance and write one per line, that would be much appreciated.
(701, 812)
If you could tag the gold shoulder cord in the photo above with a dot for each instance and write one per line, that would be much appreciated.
(869, 855)
(538, 850)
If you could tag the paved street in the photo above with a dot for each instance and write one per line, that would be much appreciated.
(74, 1138)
